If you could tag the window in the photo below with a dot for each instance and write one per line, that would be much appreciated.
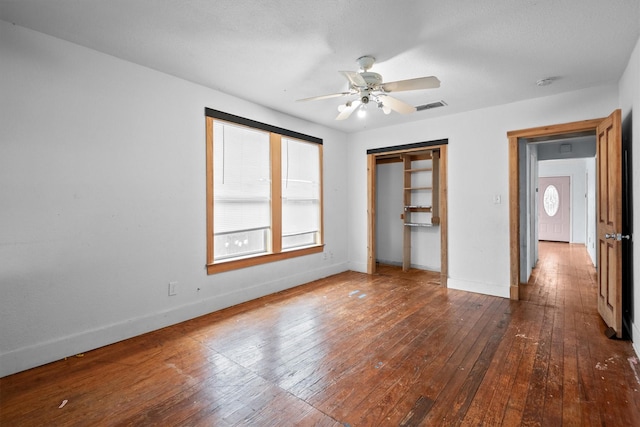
(264, 193)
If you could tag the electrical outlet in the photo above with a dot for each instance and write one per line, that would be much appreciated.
(173, 288)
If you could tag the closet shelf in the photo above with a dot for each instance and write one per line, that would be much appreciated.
(417, 208)
(420, 185)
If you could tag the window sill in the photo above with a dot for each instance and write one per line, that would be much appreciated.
(220, 267)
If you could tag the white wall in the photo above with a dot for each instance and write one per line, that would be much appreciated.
(102, 189)
(389, 201)
(478, 170)
(629, 92)
(528, 207)
(576, 170)
(591, 208)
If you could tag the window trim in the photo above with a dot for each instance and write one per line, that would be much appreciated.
(275, 140)
(221, 115)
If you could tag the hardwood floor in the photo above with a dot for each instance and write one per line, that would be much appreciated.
(392, 349)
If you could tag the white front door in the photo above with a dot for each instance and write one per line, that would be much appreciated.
(554, 220)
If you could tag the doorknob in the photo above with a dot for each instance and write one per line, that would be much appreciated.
(617, 236)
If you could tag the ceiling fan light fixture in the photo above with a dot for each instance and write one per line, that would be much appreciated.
(362, 111)
(341, 107)
(384, 108)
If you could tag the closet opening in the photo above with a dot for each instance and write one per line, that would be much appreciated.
(407, 207)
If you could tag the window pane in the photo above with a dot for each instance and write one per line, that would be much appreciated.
(239, 244)
(298, 240)
(241, 191)
(300, 193)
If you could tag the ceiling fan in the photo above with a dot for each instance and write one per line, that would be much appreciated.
(369, 87)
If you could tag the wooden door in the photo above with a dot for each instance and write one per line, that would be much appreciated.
(554, 208)
(609, 222)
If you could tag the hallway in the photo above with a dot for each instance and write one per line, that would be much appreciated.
(577, 371)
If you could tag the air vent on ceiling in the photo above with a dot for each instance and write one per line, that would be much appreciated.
(431, 105)
(565, 148)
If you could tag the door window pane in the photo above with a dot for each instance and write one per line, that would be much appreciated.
(551, 200)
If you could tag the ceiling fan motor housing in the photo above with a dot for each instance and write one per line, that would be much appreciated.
(373, 79)
(365, 62)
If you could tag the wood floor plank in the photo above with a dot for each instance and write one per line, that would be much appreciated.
(433, 372)
(355, 337)
(507, 404)
(393, 403)
(465, 395)
(538, 380)
(517, 339)
(388, 349)
(519, 391)
(403, 370)
(571, 398)
(554, 388)
(448, 384)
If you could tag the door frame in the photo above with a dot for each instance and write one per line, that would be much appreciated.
(537, 134)
(376, 155)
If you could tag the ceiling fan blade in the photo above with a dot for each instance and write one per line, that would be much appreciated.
(332, 95)
(397, 105)
(430, 82)
(346, 112)
(355, 79)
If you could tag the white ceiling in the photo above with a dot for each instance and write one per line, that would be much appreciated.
(274, 52)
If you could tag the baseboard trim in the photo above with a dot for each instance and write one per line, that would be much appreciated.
(46, 352)
(635, 339)
(479, 288)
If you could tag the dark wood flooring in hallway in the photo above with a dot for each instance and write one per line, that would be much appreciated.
(392, 349)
